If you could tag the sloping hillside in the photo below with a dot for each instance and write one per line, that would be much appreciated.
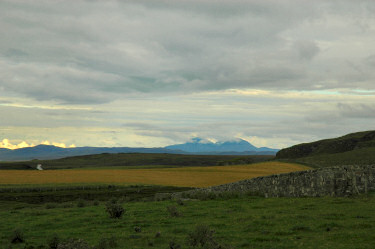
(355, 148)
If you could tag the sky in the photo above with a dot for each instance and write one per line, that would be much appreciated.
(155, 73)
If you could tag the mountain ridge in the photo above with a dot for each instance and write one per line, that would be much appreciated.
(198, 145)
(44, 152)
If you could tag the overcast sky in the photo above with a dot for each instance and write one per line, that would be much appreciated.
(154, 73)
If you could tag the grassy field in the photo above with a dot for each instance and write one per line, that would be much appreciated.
(242, 222)
(184, 177)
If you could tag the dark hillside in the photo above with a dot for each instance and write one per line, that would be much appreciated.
(136, 159)
(330, 146)
(354, 148)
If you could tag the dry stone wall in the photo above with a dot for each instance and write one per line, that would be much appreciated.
(333, 181)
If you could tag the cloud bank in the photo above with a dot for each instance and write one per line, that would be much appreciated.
(158, 72)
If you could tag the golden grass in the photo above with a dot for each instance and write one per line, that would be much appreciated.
(186, 177)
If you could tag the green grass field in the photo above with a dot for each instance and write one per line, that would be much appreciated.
(242, 222)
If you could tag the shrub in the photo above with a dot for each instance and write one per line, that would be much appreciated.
(102, 244)
(162, 196)
(202, 236)
(29, 247)
(53, 242)
(81, 203)
(113, 201)
(114, 210)
(180, 202)
(150, 243)
(301, 228)
(74, 244)
(67, 205)
(174, 245)
(50, 205)
(112, 242)
(17, 236)
(105, 243)
(96, 203)
(172, 210)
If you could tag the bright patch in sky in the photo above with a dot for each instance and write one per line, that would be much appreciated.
(5, 143)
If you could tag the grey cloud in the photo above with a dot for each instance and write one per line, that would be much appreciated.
(17, 53)
(307, 49)
(92, 52)
(370, 60)
(362, 111)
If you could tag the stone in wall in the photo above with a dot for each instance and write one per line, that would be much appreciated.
(333, 181)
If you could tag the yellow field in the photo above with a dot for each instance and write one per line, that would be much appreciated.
(187, 177)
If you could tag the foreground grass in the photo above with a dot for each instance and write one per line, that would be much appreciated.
(244, 222)
(184, 177)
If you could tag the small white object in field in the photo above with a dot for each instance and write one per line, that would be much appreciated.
(39, 167)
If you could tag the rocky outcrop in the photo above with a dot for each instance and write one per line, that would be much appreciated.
(334, 181)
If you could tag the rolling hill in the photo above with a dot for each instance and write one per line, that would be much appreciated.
(355, 148)
(45, 152)
(144, 160)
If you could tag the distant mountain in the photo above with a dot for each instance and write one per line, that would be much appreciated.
(239, 146)
(355, 148)
(44, 152)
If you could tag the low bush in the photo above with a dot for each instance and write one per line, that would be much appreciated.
(180, 202)
(202, 236)
(74, 244)
(157, 234)
(162, 196)
(174, 245)
(114, 210)
(53, 242)
(105, 243)
(50, 205)
(172, 210)
(17, 236)
(81, 203)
